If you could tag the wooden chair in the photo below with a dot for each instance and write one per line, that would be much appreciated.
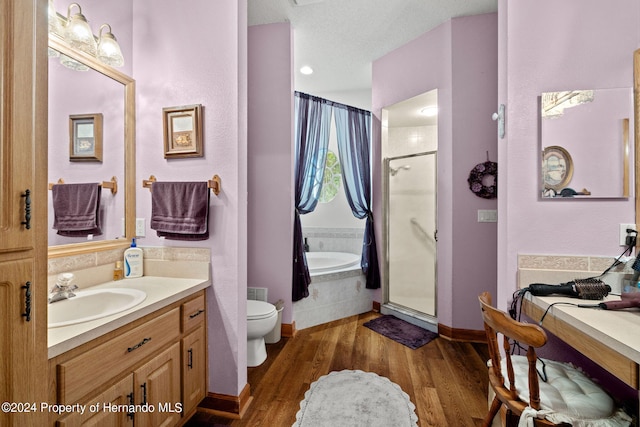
(530, 336)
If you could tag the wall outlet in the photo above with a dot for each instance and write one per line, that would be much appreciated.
(140, 227)
(623, 232)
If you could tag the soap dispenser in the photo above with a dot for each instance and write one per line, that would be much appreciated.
(133, 262)
(306, 245)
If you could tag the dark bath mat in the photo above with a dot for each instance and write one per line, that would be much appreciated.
(400, 331)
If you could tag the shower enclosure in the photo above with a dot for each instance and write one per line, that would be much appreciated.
(410, 208)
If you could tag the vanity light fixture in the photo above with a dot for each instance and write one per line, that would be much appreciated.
(54, 27)
(77, 32)
(108, 48)
(306, 70)
(54, 22)
(72, 63)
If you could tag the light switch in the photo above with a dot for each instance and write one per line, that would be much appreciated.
(487, 215)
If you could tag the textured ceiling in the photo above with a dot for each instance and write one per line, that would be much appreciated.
(339, 39)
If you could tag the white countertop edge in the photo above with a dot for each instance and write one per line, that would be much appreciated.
(63, 339)
(616, 329)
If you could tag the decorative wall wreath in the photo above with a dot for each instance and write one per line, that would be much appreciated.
(480, 176)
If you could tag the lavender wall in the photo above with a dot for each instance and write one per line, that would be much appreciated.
(458, 58)
(270, 162)
(195, 53)
(549, 46)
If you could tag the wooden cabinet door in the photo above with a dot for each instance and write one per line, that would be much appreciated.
(23, 120)
(157, 383)
(24, 350)
(194, 372)
(97, 413)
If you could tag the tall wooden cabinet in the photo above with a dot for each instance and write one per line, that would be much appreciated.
(23, 209)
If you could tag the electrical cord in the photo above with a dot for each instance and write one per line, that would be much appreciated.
(565, 303)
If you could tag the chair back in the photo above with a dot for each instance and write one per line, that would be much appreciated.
(526, 334)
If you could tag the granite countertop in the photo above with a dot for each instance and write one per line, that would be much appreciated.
(161, 291)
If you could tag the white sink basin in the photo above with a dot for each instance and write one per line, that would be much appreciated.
(93, 304)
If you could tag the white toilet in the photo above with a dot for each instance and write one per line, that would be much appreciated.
(261, 319)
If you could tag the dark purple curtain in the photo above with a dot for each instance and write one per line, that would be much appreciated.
(354, 141)
(312, 119)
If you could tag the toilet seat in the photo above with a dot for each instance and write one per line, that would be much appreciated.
(257, 310)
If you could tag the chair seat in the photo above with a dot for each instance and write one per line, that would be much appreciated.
(568, 394)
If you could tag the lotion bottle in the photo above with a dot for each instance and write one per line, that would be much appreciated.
(133, 261)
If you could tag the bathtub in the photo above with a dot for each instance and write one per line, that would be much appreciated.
(337, 289)
(331, 262)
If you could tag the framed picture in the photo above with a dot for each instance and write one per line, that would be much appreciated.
(85, 138)
(182, 131)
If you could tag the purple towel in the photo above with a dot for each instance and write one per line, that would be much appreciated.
(180, 210)
(77, 209)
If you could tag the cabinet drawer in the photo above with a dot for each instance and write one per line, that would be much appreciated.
(85, 373)
(193, 312)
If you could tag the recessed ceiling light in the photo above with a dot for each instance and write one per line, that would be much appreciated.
(306, 70)
(429, 111)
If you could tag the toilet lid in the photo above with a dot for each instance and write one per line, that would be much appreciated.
(259, 310)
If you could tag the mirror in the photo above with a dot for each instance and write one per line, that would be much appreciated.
(585, 143)
(103, 92)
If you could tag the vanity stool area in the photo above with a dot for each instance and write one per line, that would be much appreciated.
(146, 366)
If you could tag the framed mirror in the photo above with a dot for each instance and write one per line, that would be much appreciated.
(92, 89)
(584, 143)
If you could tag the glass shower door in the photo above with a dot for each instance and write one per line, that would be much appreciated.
(411, 228)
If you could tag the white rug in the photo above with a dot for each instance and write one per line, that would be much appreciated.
(355, 398)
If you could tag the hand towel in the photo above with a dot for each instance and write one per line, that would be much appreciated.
(77, 209)
(180, 210)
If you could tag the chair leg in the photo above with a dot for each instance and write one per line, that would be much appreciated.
(493, 410)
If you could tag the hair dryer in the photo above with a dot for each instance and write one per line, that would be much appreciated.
(578, 288)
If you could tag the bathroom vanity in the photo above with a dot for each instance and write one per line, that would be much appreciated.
(145, 365)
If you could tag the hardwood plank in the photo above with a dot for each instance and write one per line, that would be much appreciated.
(446, 380)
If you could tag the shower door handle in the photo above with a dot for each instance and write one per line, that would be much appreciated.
(435, 235)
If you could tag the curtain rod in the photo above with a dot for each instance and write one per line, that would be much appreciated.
(333, 103)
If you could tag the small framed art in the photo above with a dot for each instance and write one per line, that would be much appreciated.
(182, 131)
(85, 137)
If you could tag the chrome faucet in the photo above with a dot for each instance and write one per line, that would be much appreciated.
(63, 289)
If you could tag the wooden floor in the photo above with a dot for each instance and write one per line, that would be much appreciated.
(447, 381)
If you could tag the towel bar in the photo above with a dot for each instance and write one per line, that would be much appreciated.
(112, 185)
(214, 184)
